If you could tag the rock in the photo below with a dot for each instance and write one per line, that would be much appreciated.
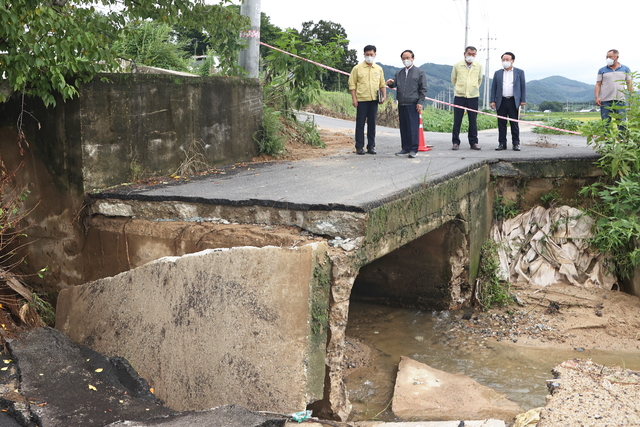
(422, 392)
(585, 393)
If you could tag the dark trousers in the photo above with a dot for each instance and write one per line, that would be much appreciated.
(366, 112)
(509, 109)
(458, 114)
(409, 127)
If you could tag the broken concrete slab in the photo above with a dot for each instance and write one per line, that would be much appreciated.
(62, 384)
(223, 416)
(243, 326)
(422, 392)
(475, 423)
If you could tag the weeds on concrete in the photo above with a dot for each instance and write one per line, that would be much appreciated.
(490, 290)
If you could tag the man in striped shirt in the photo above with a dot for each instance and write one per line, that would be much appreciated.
(611, 83)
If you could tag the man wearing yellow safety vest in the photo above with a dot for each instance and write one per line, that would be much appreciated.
(466, 78)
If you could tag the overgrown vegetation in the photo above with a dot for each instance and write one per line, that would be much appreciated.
(69, 42)
(289, 85)
(16, 299)
(490, 289)
(616, 197)
(150, 43)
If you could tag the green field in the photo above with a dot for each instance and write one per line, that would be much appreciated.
(584, 117)
(338, 104)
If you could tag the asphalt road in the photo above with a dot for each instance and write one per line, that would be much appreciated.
(351, 182)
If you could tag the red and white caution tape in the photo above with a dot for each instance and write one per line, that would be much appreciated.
(427, 98)
(305, 59)
(505, 118)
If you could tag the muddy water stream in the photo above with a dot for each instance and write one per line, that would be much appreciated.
(520, 373)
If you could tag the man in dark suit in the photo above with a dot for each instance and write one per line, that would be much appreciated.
(508, 94)
(411, 83)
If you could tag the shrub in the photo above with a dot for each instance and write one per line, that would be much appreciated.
(616, 196)
(269, 138)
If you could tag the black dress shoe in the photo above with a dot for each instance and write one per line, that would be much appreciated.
(516, 148)
(501, 147)
(455, 146)
(372, 151)
(360, 151)
(401, 152)
(475, 147)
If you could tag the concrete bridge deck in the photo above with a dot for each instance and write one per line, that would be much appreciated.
(349, 182)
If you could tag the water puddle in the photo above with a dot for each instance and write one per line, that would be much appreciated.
(520, 373)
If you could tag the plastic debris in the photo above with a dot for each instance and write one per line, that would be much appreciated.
(545, 246)
(301, 416)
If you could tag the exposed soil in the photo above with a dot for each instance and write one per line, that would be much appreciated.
(335, 143)
(562, 316)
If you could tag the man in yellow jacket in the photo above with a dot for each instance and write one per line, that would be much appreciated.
(365, 80)
(466, 78)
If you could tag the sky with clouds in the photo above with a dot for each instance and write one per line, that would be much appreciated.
(569, 38)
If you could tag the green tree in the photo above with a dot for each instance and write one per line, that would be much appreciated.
(327, 32)
(269, 34)
(294, 83)
(53, 47)
(193, 41)
(149, 43)
(554, 106)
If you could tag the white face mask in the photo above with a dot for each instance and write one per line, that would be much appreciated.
(470, 59)
(407, 62)
(369, 59)
(506, 64)
(610, 62)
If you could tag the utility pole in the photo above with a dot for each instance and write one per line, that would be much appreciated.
(249, 58)
(466, 27)
(486, 91)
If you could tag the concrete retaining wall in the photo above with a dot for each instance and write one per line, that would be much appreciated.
(245, 326)
(125, 126)
(122, 127)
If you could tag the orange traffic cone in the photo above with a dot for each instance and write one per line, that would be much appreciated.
(421, 145)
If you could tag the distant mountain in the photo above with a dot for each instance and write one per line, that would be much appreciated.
(554, 88)
(558, 88)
